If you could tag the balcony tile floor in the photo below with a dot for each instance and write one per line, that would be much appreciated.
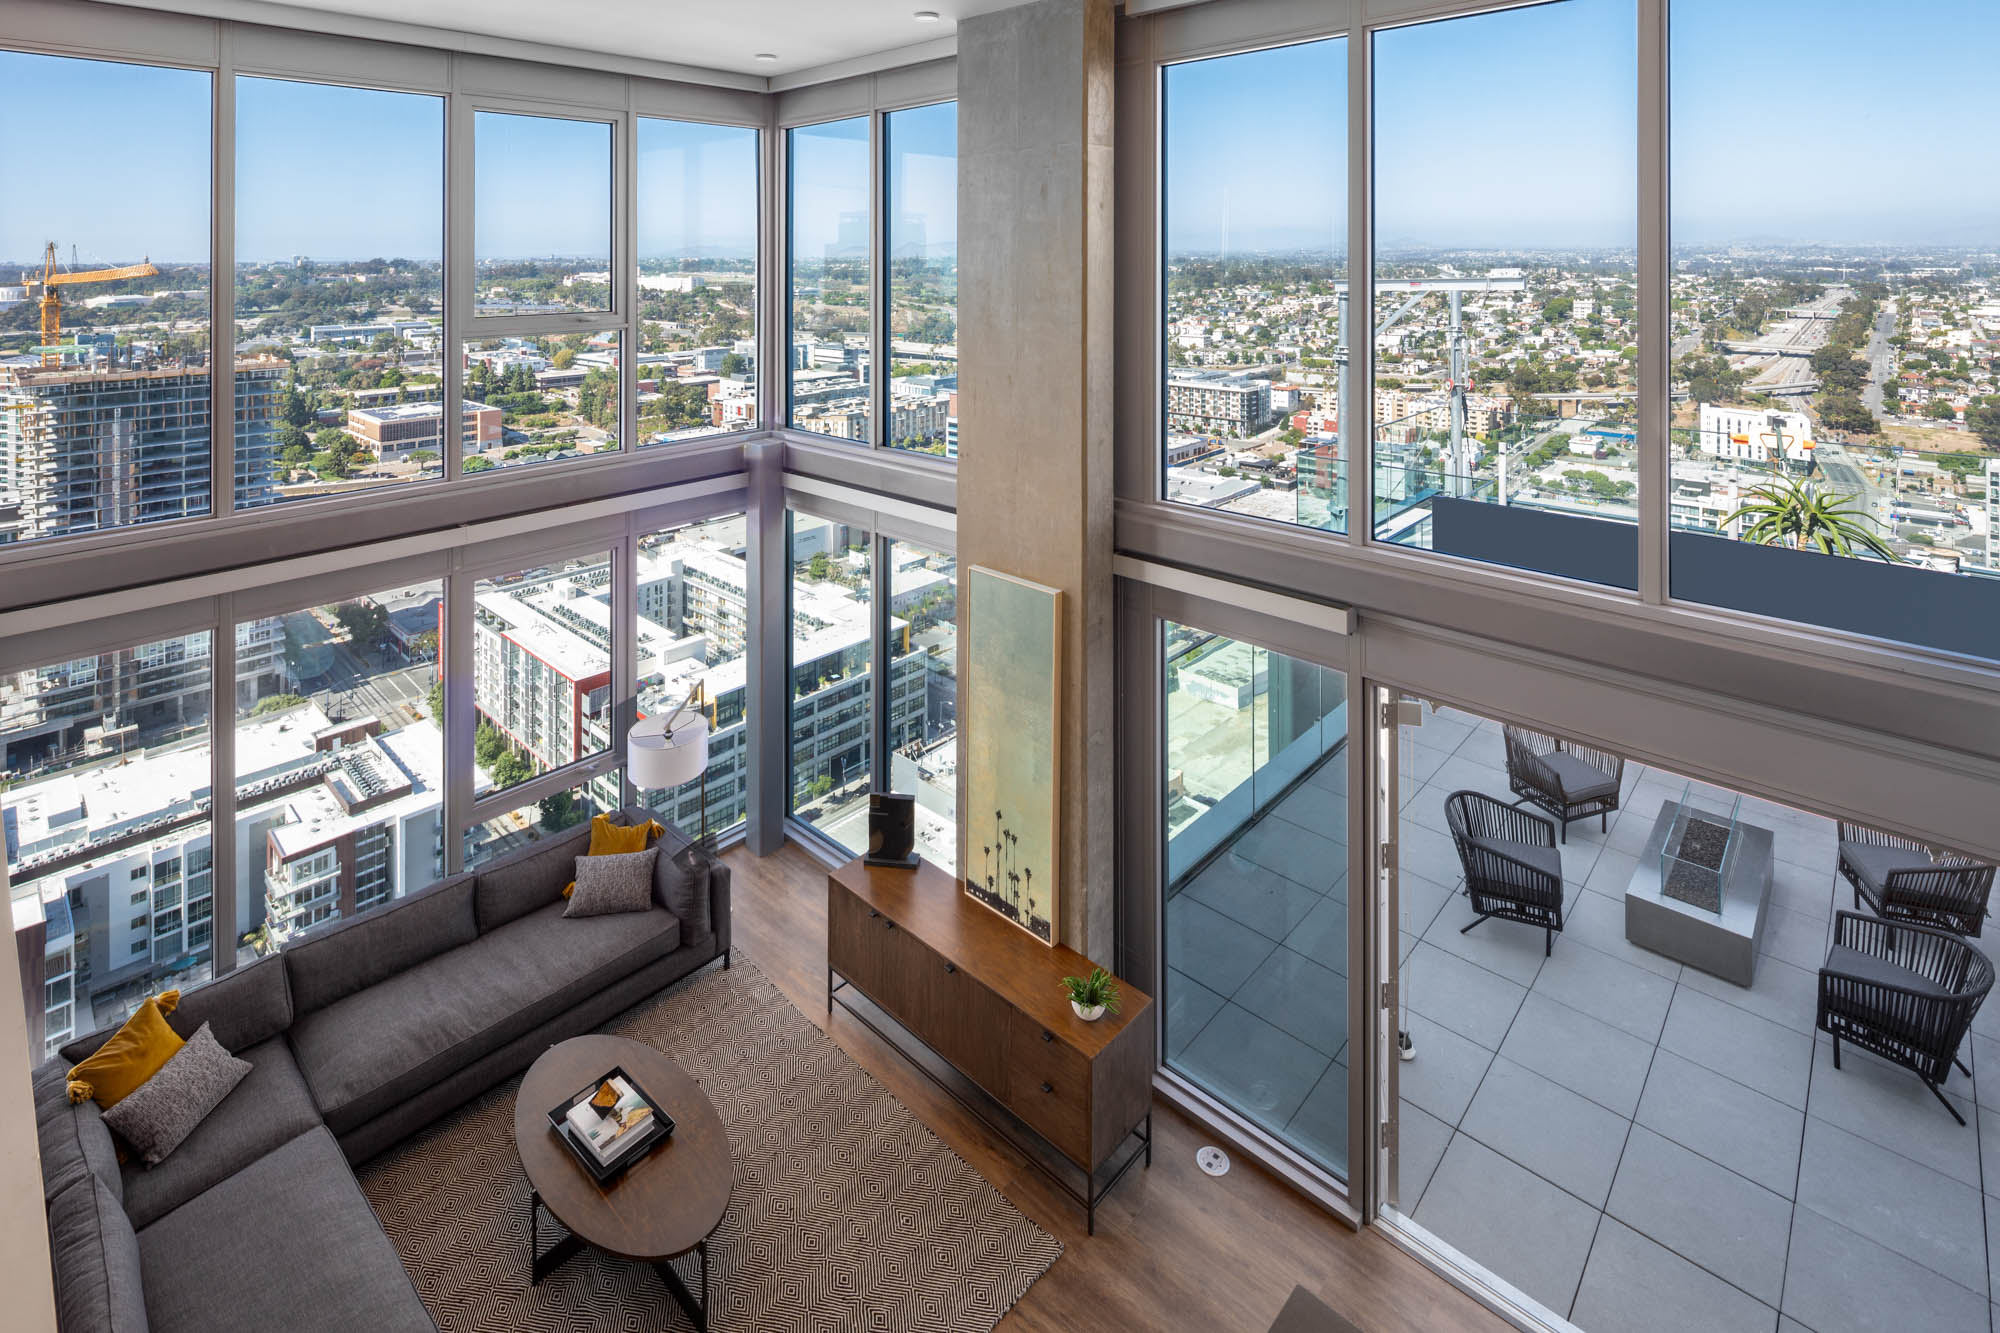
(1635, 1144)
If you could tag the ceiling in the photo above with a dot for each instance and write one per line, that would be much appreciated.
(709, 34)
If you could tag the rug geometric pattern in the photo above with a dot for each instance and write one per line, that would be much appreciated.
(848, 1213)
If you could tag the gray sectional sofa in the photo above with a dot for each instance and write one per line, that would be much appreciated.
(357, 1036)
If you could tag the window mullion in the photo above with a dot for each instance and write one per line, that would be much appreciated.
(1655, 318)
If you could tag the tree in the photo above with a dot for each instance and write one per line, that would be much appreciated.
(560, 811)
(1557, 307)
(817, 567)
(277, 703)
(1984, 421)
(487, 742)
(563, 359)
(1800, 515)
(511, 769)
(1940, 410)
(1839, 411)
(434, 702)
(734, 365)
(477, 465)
(332, 467)
(365, 621)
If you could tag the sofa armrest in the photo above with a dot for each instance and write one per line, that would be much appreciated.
(718, 904)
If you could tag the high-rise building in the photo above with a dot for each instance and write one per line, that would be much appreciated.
(103, 445)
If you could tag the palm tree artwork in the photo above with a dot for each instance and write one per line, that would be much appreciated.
(1802, 516)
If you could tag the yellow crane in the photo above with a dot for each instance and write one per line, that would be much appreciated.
(52, 283)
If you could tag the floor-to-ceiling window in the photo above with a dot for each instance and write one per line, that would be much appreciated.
(1257, 319)
(830, 733)
(1834, 359)
(346, 304)
(1255, 987)
(1505, 328)
(697, 358)
(104, 816)
(831, 253)
(694, 652)
(921, 170)
(340, 769)
(105, 399)
(923, 704)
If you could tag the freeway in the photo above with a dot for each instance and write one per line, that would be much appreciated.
(1878, 356)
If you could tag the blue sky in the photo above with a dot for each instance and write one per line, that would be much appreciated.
(1794, 120)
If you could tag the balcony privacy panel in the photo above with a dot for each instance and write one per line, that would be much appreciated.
(1594, 550)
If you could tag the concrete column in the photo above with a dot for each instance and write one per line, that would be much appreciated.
(1035, 88)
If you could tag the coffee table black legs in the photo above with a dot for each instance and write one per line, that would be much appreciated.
(697, 1310)
(542, 1265)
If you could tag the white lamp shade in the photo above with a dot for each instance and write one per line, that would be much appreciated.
(656, 760)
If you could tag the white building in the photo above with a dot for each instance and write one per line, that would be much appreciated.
(1756, 435)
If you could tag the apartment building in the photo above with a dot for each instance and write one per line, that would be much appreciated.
(394, 431)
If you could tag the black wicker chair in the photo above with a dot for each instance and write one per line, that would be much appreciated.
(1904, 880)
(1907, 993)
(1512, 867)
(1568, 780)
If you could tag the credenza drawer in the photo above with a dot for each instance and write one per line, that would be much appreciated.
(1048, 1085)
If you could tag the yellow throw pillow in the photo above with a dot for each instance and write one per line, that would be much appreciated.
(609, 839)
(133, 1055)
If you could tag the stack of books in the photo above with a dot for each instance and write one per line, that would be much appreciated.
(611, 1122)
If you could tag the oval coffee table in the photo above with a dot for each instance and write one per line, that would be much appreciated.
(668, 1203)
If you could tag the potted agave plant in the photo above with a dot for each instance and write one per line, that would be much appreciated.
(1092, 996)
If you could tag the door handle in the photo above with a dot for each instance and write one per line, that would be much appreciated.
(951, 967)
(1048, 1036)
(1048, 1087)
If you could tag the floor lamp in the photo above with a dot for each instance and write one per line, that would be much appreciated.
(662, 753)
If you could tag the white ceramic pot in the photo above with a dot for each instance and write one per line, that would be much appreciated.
(1089, 1013)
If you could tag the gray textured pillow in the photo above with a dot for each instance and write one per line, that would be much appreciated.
(680, 884)
(166, 1108)
(614, 883)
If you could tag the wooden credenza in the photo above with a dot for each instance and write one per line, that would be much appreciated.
(988, 999)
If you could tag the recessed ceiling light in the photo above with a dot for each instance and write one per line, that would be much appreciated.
(927, 16)
(770, 57)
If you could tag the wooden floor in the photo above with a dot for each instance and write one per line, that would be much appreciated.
(1174, 1249)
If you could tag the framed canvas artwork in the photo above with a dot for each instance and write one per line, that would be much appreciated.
(1011, 722)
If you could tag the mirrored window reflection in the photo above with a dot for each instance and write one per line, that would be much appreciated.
(541, 214)
(105, 305)
(923, 693)
(1256, 885)
(1506, 298)
(694, 656)
(104, 781)
(340, 760)
(697, 361)
(1255, 236)
(542, 641)
(831, 322)
(348, 303)
(1837, 385)
(922, 147)
(831, 737)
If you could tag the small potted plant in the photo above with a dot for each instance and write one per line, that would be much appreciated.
(1093, 996)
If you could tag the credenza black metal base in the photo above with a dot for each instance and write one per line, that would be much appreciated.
(1008, 1128)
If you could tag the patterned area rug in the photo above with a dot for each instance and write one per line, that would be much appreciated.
(848, 1212)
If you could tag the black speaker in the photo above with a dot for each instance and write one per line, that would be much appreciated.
(892, 829)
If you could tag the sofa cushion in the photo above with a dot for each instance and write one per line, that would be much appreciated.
(244, 1006)
(680, 881)
(1866, 967)
(131, 1055)
(531, 878)
(352, 955)
(612, 835)
(287, 1243)
(365, 1054)
(1548, 860)
(73, 1139)
(1873, 863)
(612, 882)
(1578, 780)
(95, 1259)
(169, 1106)
(270, 1106)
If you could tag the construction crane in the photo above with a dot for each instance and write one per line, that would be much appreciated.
(52, 283)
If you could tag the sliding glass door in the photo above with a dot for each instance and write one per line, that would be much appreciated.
(1255, 819)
